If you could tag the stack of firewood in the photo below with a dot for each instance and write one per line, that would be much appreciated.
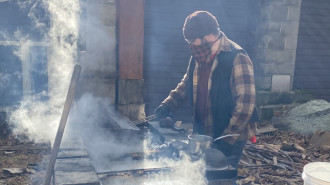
(278, 158)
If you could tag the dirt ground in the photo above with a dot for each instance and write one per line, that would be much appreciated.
(22, 163)
(275, 159)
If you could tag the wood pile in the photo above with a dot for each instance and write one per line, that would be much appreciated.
(278, 157)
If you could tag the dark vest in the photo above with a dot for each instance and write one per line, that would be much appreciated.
(220, 93)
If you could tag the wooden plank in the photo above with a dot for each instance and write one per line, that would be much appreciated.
(130, 38)
(135, 172)
(312, 65)
(312, 78)
(264, 130)
(24, 147)
(317, 72)
(314, 45)
(314, 25)
(73, 153)
(70, 143)
(76, 178)
(316, 18)
(312, 58)
(61, 127)
(315, 85)
(324, 52)
(74, 165)
(315, 4)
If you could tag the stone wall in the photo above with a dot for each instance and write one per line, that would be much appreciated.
(97, 47)
(130, 98)
(277, 33)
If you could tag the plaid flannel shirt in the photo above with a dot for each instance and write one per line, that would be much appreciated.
(243, 93)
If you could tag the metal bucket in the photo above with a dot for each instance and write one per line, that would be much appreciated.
(199, 143)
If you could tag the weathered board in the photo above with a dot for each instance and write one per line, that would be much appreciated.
(73, 166)
(74, 153)
(130, 38)
(76, 178)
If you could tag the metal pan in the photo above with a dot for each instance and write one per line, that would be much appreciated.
(199, 143)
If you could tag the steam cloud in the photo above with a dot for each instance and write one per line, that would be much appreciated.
(39, 119)
(109, 150)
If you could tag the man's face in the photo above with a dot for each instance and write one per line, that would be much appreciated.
(208, 39)
(201, 48)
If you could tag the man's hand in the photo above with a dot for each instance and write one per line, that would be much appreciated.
(163, 111)
(166, 122)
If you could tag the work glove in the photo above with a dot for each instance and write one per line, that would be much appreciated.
(163, 111)
(166, 122)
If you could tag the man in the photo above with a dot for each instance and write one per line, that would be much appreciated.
(220, 84)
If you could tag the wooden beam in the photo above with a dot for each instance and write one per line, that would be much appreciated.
(130, 16)
(61, 127)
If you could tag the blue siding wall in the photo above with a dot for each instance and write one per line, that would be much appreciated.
(312, 70)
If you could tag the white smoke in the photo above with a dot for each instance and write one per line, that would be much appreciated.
(113, 150)
(39, 120)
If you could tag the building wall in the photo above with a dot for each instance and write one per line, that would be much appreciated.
(276, 38)
(313, 49)
(97, 48)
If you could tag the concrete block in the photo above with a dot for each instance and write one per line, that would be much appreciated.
(291, 42)
(264, 41)
(102, 11)
(290, 27)
(281, 83)
(132, 111)
(100, 56)
(279, 13)
(109, 14)
(130, 91)
(274, 13)
(268, 27)
(274, 98)
(275, 56)
(111, 30)
(268, 111)
(271, 68)
(263, 82)
(98, 87)
(280, 2)
(299, 3)
(272, 41)
(294, 14)
(266, 12)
